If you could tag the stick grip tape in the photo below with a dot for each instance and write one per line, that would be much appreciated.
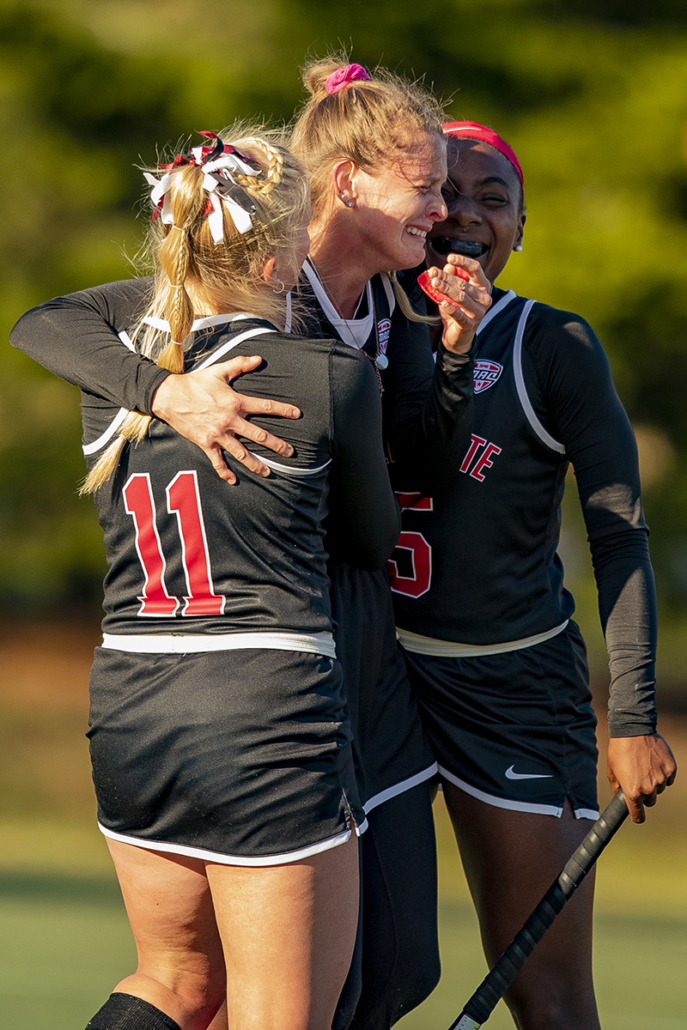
(498, 980)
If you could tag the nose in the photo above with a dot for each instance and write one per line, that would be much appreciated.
(436, 207)
(462, 210)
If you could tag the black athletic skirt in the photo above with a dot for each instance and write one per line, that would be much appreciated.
(241, 757)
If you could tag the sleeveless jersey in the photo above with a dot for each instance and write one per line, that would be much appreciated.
(481, 566)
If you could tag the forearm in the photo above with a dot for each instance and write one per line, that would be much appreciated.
(430, 444)
(76, 337)
(628, 611)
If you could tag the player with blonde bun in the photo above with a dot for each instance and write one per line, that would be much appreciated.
(373, 147)
(220, 740)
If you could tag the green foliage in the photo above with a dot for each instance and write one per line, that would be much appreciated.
(591, 94)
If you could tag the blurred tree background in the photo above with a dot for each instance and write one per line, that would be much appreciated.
(591, 93)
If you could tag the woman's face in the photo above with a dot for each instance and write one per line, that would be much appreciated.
(483, 196)
(398, 205)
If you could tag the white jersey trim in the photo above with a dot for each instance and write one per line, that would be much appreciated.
(545, 437)
(418, 644)
(91, 448)
(400, 788)
(389, 290)
(198, 643)
(353, 331)
(496, 310)
(230, 344)
(207, 322)
(291, 470)
(215, 856)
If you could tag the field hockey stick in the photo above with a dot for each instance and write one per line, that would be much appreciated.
(498, 980)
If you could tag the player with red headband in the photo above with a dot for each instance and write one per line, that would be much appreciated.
(498, 667)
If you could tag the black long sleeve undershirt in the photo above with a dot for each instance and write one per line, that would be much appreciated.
(570, 385)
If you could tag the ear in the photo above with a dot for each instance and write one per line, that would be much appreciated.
(521, 230)
(268, 269)
(343, 181)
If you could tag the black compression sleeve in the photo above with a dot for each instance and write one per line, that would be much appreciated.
(76, 338)
(574, 396)
(364, 520)
(427, 406)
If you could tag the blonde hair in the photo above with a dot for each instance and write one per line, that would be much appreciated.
(228, 276)
(369, 121)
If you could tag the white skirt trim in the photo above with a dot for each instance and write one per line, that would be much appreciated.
(194, 643)
(400, 788)
(450, 649)
(514, 806)
(214, 856)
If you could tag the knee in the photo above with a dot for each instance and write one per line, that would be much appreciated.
(545, 1006)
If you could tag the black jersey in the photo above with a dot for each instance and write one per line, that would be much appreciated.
(478, 565)
(426, 399)
(187, 553)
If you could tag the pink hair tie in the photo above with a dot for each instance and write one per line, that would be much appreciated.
(342, 76)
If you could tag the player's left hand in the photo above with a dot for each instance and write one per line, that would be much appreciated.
(643, 767)
(469, 301)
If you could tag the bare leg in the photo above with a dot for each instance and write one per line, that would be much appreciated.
(180, 960)
(510, 860)
(288, 934)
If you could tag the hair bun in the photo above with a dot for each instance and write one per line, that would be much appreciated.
(316, 73)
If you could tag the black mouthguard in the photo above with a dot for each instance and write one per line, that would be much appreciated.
(445, 245)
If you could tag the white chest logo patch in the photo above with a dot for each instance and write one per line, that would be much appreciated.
(383, 331)
(486, 374)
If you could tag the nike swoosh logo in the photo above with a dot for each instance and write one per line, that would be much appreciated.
(512, 775)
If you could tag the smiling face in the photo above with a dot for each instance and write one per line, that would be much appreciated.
(483, 196)
(399, 204)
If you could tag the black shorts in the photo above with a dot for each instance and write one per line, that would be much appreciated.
(241, 757)
(515, 730)
(391, 751)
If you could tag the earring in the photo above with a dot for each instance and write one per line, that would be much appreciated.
(518, 248)
(346, 200)
(281, 285)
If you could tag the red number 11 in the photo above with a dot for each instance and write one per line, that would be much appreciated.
(183, 499)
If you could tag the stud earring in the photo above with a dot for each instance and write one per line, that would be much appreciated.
(518, 248)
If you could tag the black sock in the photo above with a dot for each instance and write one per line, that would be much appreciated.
(125, 1012)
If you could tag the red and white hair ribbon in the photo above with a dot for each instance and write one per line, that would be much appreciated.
(225, 160)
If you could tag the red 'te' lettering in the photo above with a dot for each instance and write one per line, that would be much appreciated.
(483, 462)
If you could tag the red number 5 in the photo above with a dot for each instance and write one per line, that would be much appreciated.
(420, 552)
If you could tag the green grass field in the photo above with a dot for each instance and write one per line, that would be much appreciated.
(64, 938)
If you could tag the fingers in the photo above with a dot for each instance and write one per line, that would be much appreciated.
(636, 810)
(467, 301)
(236, 366)
(218, 463)
(265, 406)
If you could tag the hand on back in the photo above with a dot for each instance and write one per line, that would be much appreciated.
(202, 407)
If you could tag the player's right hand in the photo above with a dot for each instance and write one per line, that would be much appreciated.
(643, 766)
(202, 407)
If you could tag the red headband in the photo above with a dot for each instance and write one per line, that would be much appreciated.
(473, 130)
